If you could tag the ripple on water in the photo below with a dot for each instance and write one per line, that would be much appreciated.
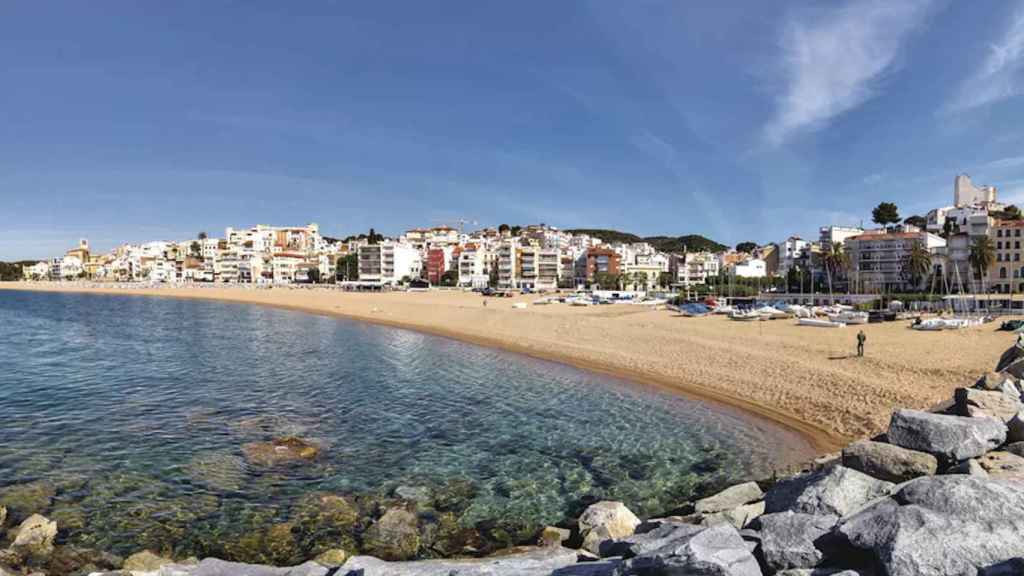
(136, 409)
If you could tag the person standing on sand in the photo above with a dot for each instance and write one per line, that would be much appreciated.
(861, 338)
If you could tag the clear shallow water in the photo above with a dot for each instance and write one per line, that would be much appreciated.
(126, 417)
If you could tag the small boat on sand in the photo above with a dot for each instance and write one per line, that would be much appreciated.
(819, 323)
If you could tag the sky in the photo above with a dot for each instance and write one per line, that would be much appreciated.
(128, 121)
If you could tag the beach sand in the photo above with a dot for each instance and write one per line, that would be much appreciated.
(806, 379)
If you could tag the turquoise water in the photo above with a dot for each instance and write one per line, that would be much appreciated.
(125, 418)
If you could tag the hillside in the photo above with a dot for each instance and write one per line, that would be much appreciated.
(689, 242)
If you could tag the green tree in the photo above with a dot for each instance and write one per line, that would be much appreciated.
(981, 257)
(918, 264)
(836, 261)
(885, 214)
(202, 236)
(664, 280)
(607, 281)
(373, 237)
(347, 267)
(314, 275)
(918, 221)
(450, 278)
(747, 247)
(195, 249)
(504, 228)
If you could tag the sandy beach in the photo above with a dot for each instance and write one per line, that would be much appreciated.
(806, 379)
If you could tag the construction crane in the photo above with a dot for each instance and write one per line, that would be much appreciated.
(461, 223)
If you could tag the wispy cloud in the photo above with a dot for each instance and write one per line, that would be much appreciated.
(1004, 163)
(833, 63)
(1001, 75)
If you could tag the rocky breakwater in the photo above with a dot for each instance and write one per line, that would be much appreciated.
(939, 493)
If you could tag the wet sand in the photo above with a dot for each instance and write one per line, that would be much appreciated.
(807, 380)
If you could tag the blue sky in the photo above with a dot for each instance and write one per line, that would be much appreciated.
(132, 121)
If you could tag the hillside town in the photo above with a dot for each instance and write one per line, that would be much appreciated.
(972, 244)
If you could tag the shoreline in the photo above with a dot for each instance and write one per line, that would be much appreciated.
(819, 440)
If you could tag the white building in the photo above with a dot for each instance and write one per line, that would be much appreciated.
(752, 268)
(389, 263)
(693, 268)
(879, 259)
(829, 235)
(790, 252)
(965, 193)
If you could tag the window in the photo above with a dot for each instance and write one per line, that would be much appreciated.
(1016, 245)
(1002, 272)
(999, 245)
(1017, 232)
(999, 233)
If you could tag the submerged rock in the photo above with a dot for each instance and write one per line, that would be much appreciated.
(332, 557)
(23, 500)
(285, 450)
(949, 438)
(835, 491)
(221, 471)
(145, 561)
(395, 536)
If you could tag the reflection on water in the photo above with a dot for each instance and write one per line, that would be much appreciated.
(199, 428)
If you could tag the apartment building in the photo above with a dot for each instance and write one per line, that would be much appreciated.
(474, 266)
(388, 263)
(601, 260)
(694, 268)
(508, 268)
(878, 259)
(538, 268)
(829, 235)
(1005, 273)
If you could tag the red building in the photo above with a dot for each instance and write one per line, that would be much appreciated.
(436, 265)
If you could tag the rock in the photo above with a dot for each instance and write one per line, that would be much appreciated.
(1008, 362)
(3, 518)
(69, 559)
(654, 539)
(552, 536)
(606, 567)
(817, 572)
(287, 450)
(23, 500)
(1003, 465)
(35, 537)
(418, 494)
(888, 462)
(968, 467)
(215, 567)
(607, 520)
(395, 536)
(837, 491)
(716, 550)
(941, 525)
(729, 498)
(145, 561)
(791, 540)
(1015, 428)
(1012, 567)
(541, 561)
(738, 517)
(332, 557)
(223, 472)
(949, 438)
(1015, 448)
(991, 381)
(1000, 404)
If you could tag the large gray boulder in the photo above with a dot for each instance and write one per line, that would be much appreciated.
(817, 572)
(791, 540)
(714, 551)
(540, 561)
(35, 537)
(651, 540)
(739, 516)
(730, 498)
(949, 438)
(888, 462)
(941, 525)
(1001, 404)
(835, 491)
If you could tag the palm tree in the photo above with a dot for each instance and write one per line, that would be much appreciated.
(836, 260)
(981, 257)
(918, 264)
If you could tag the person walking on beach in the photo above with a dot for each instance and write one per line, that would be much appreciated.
(861, 338)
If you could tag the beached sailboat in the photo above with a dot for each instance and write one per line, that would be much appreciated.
(819, 323)
(746, 316)
(850, 317)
